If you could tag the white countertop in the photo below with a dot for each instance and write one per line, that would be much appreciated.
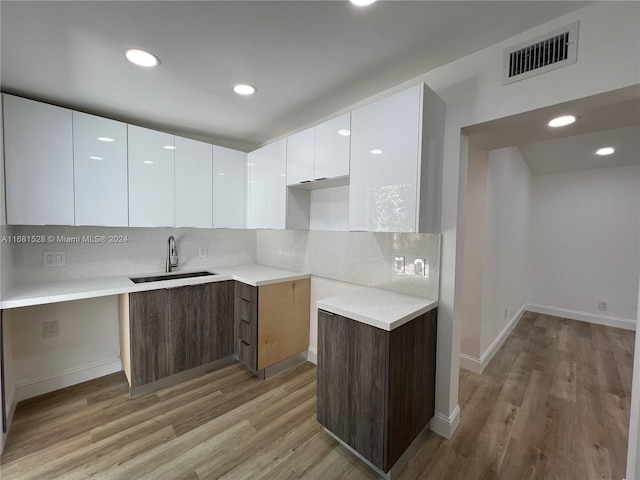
(65, 290)
(379, 308)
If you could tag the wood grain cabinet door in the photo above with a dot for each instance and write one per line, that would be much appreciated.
(209, 323)
(158, 336)
(352, 383)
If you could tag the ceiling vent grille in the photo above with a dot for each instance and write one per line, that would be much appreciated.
(542, 54)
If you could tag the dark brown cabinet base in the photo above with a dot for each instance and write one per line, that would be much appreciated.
(168, 331)
(376, 388)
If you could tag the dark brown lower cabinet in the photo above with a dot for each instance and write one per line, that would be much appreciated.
(175, 329)
(376, 388)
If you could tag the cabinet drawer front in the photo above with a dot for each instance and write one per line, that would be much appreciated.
(246, 311)
(247, 292)
(247, 354)
(248, 333)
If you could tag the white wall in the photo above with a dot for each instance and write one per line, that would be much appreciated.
(506, 252)
(87, 345)
(584, 243)
(476, 219)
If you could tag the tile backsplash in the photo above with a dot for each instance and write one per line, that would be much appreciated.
(134, 250)
(361, 258)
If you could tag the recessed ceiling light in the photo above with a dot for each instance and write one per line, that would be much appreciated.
(243, 89)
(376, 151)
(344, 132)
(141, 57)
(95, 158)
(362, 3)
(605, 151)
(220, 173)
(148, 161)
(106, 139)
(169, 147)
(562, 121)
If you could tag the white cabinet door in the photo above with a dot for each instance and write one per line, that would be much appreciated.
(300, 156)
(228, 187)
(38, 144)
(100, 171)
(385, 143)
(276, 191)
(257, 188)
(332, 146)
(151, 177)
(193, 183)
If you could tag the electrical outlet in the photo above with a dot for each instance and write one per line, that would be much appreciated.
(50, 329)
(418, 267)
(54, 259)
(398, 264)
(602, 306)
(203, 252)
(278, 251)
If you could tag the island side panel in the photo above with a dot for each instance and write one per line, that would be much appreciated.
(125, 336)
(352, 379)
(412, 361)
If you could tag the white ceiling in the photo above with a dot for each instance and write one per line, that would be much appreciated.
(308, 59)
(578, 152)
(608, 119)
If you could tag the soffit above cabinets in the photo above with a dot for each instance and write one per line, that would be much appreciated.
(308, 60)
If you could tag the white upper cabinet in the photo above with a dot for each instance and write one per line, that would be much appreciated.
(100, 171)
(396, 163)
(193, 183)
(151, 178)
(38, 145)
(257, 188)
(319, 153)
(332, 147)
(267, 186)
(276, 191)
(228, 188)
(300, 156)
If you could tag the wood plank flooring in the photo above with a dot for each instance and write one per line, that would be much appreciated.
(553, 404)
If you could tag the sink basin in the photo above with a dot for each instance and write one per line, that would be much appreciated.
(170, 276)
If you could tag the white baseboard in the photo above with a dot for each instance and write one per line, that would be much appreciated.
(445, 425)
(312, 355)
(38, 386)
(608, 321)
(470, 363)
(478, 365)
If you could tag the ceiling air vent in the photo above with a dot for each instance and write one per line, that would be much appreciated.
(542, 54)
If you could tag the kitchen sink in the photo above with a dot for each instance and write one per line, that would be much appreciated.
(170, 276)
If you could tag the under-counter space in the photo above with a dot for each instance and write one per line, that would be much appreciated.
(66, 290)
(379, 308)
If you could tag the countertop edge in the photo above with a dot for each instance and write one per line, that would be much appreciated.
(354, 314)
(117, 285)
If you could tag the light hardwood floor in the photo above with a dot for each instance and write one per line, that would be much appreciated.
(553, 403)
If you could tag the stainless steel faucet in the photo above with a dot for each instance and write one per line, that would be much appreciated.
(172, 254)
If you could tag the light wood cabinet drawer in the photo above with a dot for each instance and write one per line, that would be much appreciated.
(248, 333)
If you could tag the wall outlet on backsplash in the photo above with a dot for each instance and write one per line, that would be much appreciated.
(203, 252)
(398, 264)
(419, 267)
(54, 259)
